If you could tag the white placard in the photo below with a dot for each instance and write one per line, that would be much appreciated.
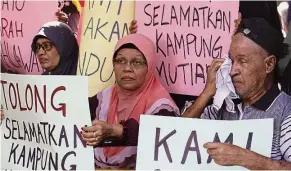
(183, 133)
(43, 118)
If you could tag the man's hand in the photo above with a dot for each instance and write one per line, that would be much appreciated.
(210, 87)
(226, 154)
(196, 109)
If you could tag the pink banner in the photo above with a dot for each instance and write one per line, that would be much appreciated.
(20, 21)
(188, 36)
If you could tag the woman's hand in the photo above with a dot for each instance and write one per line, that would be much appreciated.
(133, 27)
(62, 17)
(2, 114)
(236, 23)
(99, 130)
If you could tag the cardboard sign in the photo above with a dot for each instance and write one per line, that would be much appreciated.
(177, 143)
(43, 118)
(20, 21)
(188, 36)
(104, 23)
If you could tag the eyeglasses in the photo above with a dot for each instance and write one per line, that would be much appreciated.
(134, 63)
(45, 46)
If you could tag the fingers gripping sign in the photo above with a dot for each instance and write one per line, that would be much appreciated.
(94, 134)
(225, 154)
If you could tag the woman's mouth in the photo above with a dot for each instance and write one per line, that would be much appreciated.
(127, 78)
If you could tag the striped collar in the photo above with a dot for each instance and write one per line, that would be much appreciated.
(268, 98)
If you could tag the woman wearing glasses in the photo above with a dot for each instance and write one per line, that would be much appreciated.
(56, 48)
(116, 111)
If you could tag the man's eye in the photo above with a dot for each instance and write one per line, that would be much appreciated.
(243, 61)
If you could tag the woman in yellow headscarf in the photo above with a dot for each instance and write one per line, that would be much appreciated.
(69, 13)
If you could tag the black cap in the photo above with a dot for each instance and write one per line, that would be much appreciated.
(262, 9)
(263, 34)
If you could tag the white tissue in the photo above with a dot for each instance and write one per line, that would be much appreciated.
(224, 88)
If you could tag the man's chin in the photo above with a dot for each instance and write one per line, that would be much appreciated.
(241, 95)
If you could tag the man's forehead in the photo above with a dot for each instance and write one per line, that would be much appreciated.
(241, 45)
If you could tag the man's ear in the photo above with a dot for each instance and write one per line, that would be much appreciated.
(270, 63)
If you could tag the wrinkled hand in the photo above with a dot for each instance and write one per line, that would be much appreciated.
(237, 22)
(133, 27)
(2, 114)
(210, 87)
(62, 17)
(226, 154)
(94, 134)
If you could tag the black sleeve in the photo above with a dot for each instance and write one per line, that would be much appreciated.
(131, 128)
(93, 104)
(130, 132)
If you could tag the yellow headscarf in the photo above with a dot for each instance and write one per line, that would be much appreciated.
(78, 5)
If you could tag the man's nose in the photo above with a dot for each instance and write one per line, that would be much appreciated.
(234, 70)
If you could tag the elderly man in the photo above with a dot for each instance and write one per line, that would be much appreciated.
(254, 51)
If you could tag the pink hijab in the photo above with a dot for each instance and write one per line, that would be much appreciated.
(131, 104)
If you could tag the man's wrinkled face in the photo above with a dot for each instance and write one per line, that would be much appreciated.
(250, 65)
